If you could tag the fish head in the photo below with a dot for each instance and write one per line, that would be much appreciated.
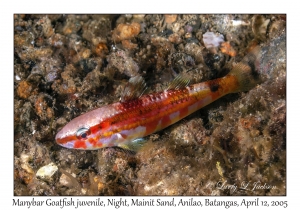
(84, 132)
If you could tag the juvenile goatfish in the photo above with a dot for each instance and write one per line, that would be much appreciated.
(121, 123)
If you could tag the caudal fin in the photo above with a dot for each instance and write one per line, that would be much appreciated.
(247, 71)
(260, 63)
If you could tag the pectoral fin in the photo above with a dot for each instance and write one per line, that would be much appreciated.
(133, 145)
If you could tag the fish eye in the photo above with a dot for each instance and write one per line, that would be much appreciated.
(83, 132)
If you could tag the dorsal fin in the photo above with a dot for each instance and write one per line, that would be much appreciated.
(178, 82)
(134, 88)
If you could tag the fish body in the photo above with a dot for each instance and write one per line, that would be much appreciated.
(120, 123)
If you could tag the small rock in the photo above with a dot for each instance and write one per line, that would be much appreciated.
(126, 31)
(25, 89)
(46, 172)
(170, 18)
(210, 39)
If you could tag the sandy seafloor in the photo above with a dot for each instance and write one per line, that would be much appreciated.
(67, 65)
